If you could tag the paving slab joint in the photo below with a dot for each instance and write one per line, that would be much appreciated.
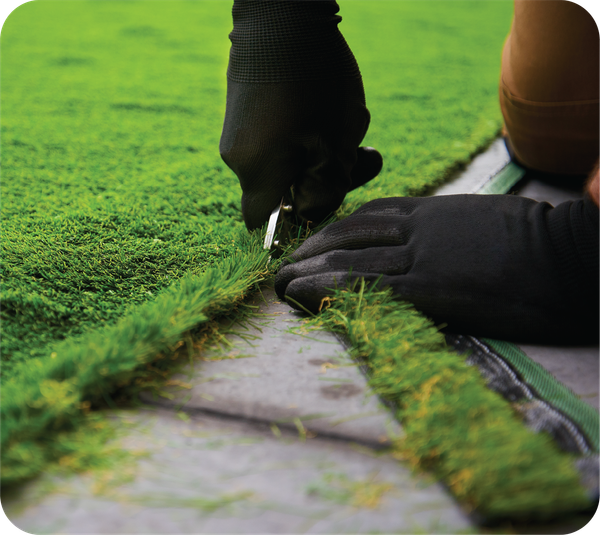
(286, 424)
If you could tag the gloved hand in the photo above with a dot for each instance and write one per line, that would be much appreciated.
(499, 266)
(296, 110)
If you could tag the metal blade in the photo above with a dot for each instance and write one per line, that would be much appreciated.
(271, 227)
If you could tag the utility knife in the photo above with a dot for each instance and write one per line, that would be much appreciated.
(279, 228)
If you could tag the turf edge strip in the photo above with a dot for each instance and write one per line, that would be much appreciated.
(50, 397)
(456, 428)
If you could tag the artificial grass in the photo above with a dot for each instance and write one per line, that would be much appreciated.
(49, 398)
(454, 425)
(112, 183)
(113, 189)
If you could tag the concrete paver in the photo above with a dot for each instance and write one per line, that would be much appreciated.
(208, 475)
(575, 367)
(550, 192)
(288, 373)
(476, 174)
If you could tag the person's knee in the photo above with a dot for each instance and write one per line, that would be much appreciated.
(549, 87)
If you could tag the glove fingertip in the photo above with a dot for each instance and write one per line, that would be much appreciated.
(256, 210)
(304, 294)
(368, 165)
(282, 279)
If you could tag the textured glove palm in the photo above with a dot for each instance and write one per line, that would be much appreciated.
(497, 266)
(296, 110)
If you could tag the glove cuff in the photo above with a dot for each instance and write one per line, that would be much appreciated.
(288, 41)
(573, 231)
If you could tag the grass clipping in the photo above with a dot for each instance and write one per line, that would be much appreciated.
(455, 426)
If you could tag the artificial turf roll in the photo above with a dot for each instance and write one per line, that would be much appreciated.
(112, 182)
(112, 185)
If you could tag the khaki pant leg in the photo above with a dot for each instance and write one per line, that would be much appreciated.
(549, 87)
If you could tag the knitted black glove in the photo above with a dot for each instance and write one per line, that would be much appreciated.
(295, 111)
(490, 265)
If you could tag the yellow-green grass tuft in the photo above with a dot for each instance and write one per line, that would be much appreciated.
(455, 427)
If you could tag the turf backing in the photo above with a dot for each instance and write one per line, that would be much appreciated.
(112, 185)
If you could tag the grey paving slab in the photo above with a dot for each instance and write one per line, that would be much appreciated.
(208, 475)
(552, 193)
(575, 367)
(474, 176)
(288, 373)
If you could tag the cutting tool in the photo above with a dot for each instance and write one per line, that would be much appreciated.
(280, 225)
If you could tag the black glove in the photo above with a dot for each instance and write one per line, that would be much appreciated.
(295, 111)
(490, 265)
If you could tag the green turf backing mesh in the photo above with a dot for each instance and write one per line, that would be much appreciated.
(454, 425)
(548, 388)
(503, 181)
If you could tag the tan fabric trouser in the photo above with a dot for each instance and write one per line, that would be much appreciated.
(549, 87)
